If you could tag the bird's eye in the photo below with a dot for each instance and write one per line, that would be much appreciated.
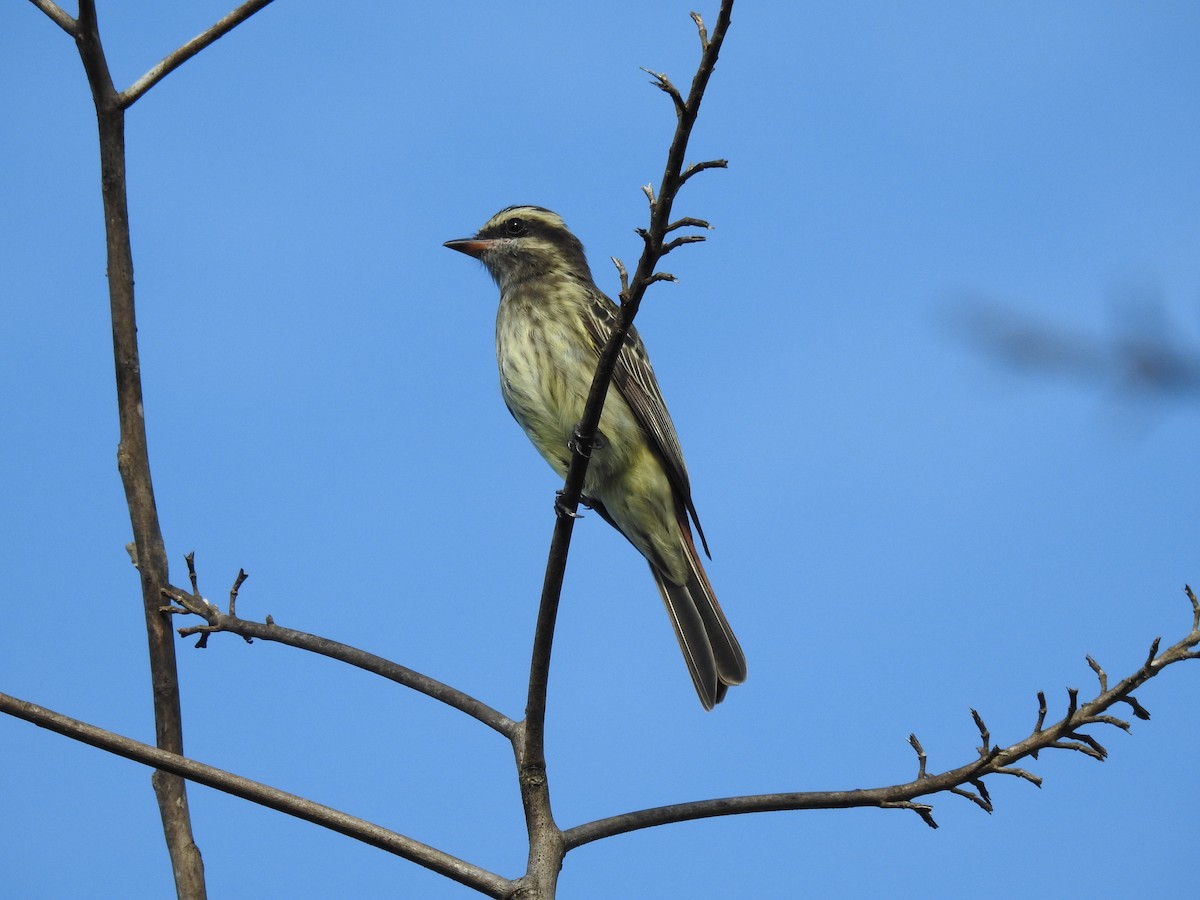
(515, 227)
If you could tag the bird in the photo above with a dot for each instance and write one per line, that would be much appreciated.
(551, 326)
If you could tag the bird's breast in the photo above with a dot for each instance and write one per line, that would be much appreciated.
(547, 360)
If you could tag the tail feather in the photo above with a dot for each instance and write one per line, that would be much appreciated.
(712, 653)
(693, 638)
(727, 652)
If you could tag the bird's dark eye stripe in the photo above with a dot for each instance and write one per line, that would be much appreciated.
(519, 226)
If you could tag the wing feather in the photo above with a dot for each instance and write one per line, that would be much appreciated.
(634, 378)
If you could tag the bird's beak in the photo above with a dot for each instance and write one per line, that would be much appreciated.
(469, 246)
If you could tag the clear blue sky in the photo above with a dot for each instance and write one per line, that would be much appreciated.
(901, 528)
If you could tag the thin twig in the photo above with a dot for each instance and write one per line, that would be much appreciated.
(697, 168)
(57, 15)
(178, 57)
(703, 31)
(977, 799)
(921, 758)
(233, 591)
(369, 662)
(1100, 674)
(681, 240)
(663, 83)
(984, 735)
(686, 222)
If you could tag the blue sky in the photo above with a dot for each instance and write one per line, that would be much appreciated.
(902, 529)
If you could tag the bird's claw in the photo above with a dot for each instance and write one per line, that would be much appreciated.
(561, 508)
(577, 444)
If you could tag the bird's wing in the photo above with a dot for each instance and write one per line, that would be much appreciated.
(634, 378)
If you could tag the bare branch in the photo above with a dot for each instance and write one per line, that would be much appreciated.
(1019, 773)
(133, 458)
(1099, 673)
(177, 58)
(57, 15)
(703, 31)
(921, 758)
(233, 591)
(218, 621)
(685, 222)
(1154, 644)
(1085, 745)
(1133, 359)
(1063, 735)
(974, 798)
(190, 559)
(622, 273)
(681, 240)
(1110, 720)
(663, 83)
(697, 168)
(984, 735)
(265, 795)
(644, 275)
(921, 809)
(1138, 710)
(546, 842)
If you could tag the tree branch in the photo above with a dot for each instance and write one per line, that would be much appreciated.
(133, 458)
(268, 631)
(57, 15)
(992, 761)
(178, 57)
(431, 858)
(545, 840)
(1143, 356)
(631, 297)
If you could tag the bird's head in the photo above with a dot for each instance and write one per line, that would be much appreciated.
(523, 242)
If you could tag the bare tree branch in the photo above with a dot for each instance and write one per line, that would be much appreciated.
(697, 168)
(1143, 357)
(663, 83)
(133, 458)
(57, 15)
(545, 840)
(431, 858)
(681, 240)
(685, 222)
(268, 631)
(991, 761)
(547, 843)
(631, 298)
(178, 57)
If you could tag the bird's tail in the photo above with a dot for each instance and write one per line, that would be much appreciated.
(714, 657)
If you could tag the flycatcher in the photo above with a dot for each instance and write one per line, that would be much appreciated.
(551, 326)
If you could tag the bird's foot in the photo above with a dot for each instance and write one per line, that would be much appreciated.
(578, 444)
(562, 509)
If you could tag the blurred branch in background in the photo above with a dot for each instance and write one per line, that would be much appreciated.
(1143, 357)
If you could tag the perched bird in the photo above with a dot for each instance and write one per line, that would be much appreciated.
(551, 326)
